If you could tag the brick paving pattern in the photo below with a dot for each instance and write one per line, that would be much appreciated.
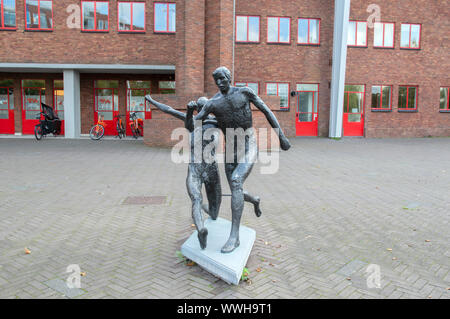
(333, 208)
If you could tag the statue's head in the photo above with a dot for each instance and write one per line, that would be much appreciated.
(201, 103)
(222, 77)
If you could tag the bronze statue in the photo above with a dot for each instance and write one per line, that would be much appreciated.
(231, 107)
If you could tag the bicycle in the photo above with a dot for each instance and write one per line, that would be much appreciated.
(136, 125)
(119, 127)
(98, 130)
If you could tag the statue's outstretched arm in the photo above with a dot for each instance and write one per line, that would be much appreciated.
(259, 103)
(166, 109)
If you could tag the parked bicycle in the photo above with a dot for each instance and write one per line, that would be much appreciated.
(136, 125)
(49, 122)
(98, 130)
(120, 128)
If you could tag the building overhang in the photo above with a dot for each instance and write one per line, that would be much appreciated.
(87, 68)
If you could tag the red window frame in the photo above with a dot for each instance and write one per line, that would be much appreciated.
(289, 42)
(403, 109)
(384, 28)
(278, 93)
(131, 18)
(248, 29)
(39, 15)
(309, 23)
(447, 108)
(95, 17)
(247, 83)
(356, 35)
(168, 15)
(381, 98)
(410, 30)
(2, 25)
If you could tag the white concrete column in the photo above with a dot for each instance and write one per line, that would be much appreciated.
(72, 113)
(341, 17)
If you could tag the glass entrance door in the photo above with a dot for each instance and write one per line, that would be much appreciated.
(58, 101)
(33, 94)
(106, 103)
(353, 121)
(6, 107)
(307, 110)
(136, 102)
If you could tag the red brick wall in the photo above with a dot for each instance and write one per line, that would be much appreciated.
(64, 45)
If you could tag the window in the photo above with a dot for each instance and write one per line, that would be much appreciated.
(166, 87)
(253, 85)
(6, 98)
(308, 31)
(165, 17)
(308, 101)
(131, 16)
(106, 98)
(278, 30)
(95, 16)
(444, 99)
(136, 102)
(33, 94)
(8, 15)
(383, 35)
(354, 102)
(382, 97)
(39, 15)
(410, 37)
(357, 34)
(407, 98)
(281, 90)
(247, 29)
(58, 98)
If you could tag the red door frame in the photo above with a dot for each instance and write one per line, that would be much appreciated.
(110, 128)
(308, 128)
(7, 125)
(147, 115)
(28, 125)
(55, 105)
(354, 128)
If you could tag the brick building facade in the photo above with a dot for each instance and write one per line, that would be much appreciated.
(278, 47)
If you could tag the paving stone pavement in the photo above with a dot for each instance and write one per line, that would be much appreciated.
(333, 209)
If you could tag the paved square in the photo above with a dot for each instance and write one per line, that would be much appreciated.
(333, 209)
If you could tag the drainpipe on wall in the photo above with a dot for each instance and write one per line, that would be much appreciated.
(234, 30)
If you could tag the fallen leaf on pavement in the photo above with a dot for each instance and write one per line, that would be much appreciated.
(27, 251)
(258, 269)
(82, 274)
(389, 249)
(427, 240)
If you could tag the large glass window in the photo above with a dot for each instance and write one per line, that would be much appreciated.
(253, 85)
(281, 90)
(95, 16)
(165, 17)
(106, 98)
(136, 102)
(308, 31)
(444, 99)
(33, 94)
(407, 98)
(354, 102)
(39, 15)
(166, 87)
(278, 30)
(357, 34)
(308, 101)
(382, 97)
(131, 16)
(6, 98)
(383, 35)
(410, 36)
(58, 98)
(247, 29)
(7, 14)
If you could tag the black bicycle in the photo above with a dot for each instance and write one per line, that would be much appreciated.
(49, 123)
(120, 128)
